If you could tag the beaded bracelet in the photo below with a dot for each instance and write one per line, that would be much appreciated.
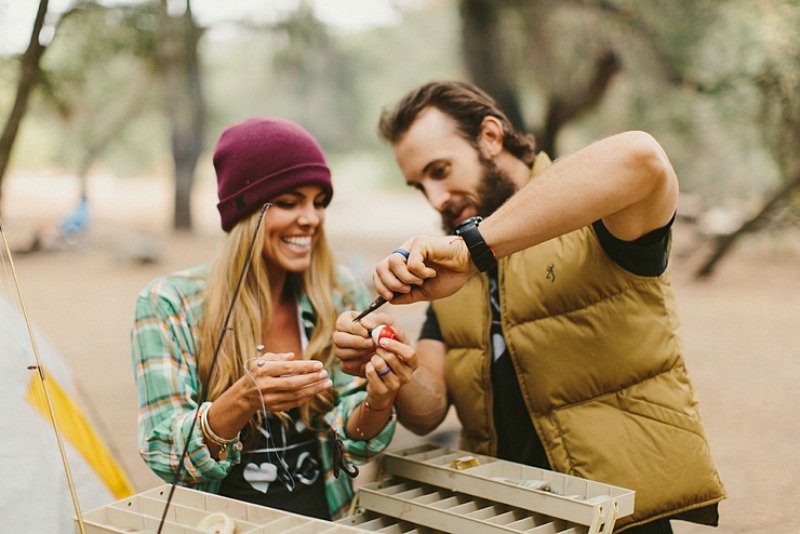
(369, 406)
(366, 406)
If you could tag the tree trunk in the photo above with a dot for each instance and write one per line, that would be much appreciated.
(561, 111)
(185, 105)
(29, 76)
(487, 61)
(724, 243)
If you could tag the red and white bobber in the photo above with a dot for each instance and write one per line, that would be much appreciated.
(382, 331)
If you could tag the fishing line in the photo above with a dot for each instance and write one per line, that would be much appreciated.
(212, 367)
(270, 442)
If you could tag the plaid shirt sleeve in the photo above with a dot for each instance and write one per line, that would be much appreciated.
(351, 391)
(164, 364)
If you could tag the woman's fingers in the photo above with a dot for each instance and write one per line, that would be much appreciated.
(352, 344)
(292, 391)
(265, 367)
(374, 319)
(399, 357)
(398, 367)
(376, 386)
(406, 352)
(285, 384)
(346, 344)
(277, 356)
(392, 366)
(294, 384)
(346, 325)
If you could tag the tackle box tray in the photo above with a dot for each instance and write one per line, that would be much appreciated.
(545, 492)
(142, 513)
(423, 490)
(450, 511)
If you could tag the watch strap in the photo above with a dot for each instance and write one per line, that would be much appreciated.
(481, 254)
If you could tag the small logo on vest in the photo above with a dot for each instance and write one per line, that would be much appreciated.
(551, 272)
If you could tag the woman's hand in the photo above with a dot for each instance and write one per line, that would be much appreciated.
(353, 345)
(391, 367)
(282, 383)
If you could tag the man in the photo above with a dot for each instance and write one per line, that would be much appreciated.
(553, 325)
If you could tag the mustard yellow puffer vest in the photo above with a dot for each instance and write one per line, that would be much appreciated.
(600, 368)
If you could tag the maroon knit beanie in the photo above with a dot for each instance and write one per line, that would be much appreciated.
(261, 158)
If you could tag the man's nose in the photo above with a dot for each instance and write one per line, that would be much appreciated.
(438, 196)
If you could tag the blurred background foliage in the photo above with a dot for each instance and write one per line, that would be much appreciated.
(141, 88)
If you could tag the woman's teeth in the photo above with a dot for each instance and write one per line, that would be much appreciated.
(299, 242)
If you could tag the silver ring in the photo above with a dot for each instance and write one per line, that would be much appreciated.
(261, 363)
(385, 372)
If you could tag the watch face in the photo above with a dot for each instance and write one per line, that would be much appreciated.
(467, 223)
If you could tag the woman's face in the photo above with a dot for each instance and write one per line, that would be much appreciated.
(292, 226)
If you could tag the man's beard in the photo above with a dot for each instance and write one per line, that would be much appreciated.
(494, 188)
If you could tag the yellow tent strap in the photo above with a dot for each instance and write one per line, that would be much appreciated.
(77, 430)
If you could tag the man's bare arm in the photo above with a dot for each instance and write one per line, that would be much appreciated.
(626, 180)
(423, 404)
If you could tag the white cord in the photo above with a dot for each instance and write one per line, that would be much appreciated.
(271, 445)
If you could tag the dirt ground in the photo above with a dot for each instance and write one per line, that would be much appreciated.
(740, 328)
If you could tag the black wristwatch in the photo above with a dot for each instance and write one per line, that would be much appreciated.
(482, 255)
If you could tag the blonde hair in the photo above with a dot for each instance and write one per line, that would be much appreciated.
(253, 312)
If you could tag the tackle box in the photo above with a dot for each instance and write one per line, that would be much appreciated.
(420, 490)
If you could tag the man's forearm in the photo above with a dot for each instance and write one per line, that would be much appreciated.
(422, 404)
(626, 177)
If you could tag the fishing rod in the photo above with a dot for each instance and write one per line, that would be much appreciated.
(215, 356)
(40, 368)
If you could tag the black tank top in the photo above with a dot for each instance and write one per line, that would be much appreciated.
(283, 470)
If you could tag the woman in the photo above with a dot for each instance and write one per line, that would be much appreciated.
(274, 405)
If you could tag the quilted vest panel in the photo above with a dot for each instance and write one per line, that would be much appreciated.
(600, 368)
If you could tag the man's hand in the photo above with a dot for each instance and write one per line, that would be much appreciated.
(436, 267)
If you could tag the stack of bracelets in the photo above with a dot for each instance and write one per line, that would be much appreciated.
(210, 437)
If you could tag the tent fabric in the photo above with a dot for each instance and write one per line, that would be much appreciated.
(34, 495)
(77, 430)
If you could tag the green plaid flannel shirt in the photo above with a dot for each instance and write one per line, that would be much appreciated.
(164, 349)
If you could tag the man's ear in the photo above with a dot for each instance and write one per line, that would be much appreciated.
(490, 140)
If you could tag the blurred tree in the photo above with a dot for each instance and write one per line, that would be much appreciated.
(315, 71)
(495, 34)
(714, 81)
(388, 61)
(94, 77)
(179, 63)
(97, 77)
(107, 70)
(29, 75)
(652, 65)
(772, 69)
(488, 57)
